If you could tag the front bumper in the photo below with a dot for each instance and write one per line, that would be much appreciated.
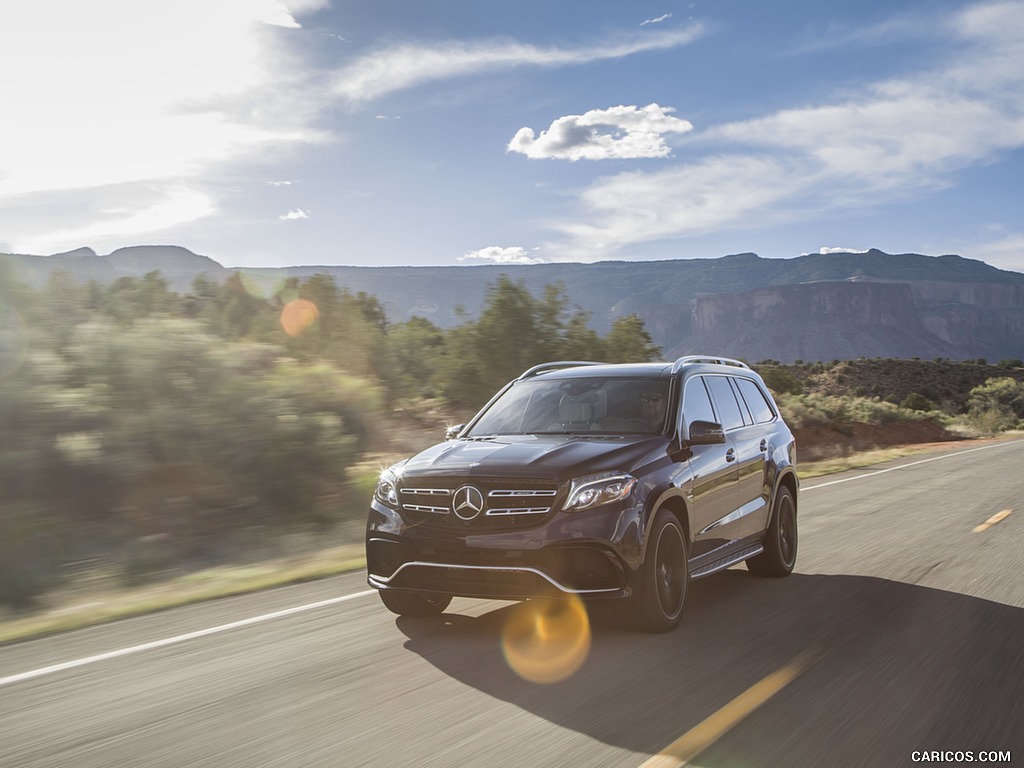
(594, 554)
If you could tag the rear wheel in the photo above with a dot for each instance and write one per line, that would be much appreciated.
(780, 539)
(666, 576)
(414, 603)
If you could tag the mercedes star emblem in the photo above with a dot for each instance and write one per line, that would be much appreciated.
(468, 502)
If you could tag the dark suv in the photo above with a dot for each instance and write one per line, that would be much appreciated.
(600, 481)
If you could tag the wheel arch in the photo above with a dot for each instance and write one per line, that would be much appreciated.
(676, 505)
(787, 479)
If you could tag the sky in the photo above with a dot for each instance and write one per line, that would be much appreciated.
(458, 132)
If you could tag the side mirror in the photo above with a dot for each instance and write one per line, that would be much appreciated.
(706, 433)
(452, 432)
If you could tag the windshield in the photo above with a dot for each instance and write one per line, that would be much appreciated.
(578, 405)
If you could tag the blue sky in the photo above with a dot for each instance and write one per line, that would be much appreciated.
(274, 132)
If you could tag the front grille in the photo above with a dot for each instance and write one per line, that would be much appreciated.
(506, 503)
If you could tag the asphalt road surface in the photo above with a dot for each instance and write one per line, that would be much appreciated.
(901, 632)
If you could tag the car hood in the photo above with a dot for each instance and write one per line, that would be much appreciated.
(555, 457)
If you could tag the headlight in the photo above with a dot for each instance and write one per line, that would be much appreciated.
(386, 491)
(595, 490)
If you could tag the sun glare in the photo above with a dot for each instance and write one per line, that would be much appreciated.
(298, 315)
(546, 641)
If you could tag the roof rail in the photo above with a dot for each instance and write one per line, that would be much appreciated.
(707, 359)
(551, 366)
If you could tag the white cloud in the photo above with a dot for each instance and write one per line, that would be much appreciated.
(404, 66)
(825, 251)
(130, 92)
(150, 210)
(1004, 253)
(294, 215)
(500, 255)
(663, 17)
(895, 140)
(602, 134)
(700, 198)
(894, 30)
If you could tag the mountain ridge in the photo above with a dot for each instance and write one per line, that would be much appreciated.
(812, 307)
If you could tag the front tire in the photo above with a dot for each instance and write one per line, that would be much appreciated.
(666, 576)
(780, 540)
(416, 604)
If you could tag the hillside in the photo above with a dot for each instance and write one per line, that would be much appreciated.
(812, 307)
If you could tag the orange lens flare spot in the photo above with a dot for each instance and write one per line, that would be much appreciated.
(298, 315)
(546, 641)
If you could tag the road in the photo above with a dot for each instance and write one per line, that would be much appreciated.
(903, 629)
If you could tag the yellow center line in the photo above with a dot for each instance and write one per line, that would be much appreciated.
(997, 517)
(680, 752)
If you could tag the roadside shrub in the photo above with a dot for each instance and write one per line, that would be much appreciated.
(917, 402)
(158, 446)
(811, 409)
(996, 405)
(780, 380)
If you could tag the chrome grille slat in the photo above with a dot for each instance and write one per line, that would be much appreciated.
(424, 508)
(519, 511)
(428, 491)
(522, 493)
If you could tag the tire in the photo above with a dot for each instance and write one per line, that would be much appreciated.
(780, 540)
(666, 576)
(417, 604)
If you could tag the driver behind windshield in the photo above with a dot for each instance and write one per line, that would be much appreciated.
(652, 409)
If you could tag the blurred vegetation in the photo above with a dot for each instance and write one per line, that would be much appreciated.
(149, 433)
(972, 397)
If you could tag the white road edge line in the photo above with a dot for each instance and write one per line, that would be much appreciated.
(904, 466)
(178, 638)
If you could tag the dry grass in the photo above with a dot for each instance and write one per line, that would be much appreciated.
(863, 459)
(96, 606)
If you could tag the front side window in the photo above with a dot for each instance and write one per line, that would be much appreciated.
(590, 405)
(696, 403)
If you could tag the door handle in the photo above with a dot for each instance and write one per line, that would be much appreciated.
(730, 455)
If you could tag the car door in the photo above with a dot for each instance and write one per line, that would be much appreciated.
(763, 415)
(748, 443)
(713, 473)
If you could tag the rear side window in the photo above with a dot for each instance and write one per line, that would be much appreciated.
(756, 401)
(725, 401)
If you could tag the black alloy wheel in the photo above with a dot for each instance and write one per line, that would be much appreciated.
(659, 606)
(780, 541)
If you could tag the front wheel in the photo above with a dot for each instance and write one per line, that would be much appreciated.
(417, 604)
(666, 576)
(780, 540)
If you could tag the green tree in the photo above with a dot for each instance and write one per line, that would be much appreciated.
(581, 342)
(629, 342)
(417, 348)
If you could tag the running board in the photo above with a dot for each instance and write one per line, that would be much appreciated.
(729, 560)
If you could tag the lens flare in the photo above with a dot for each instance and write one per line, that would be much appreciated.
(298, 315)
(546, 641)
